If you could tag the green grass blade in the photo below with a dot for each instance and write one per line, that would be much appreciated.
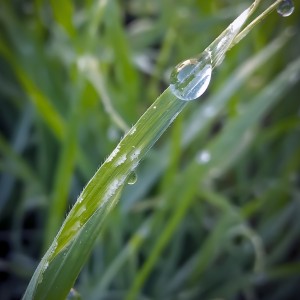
(64, 173)
(77, 236)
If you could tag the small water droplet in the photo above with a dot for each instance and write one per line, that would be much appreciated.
(121, 160)
(285, 8)
(112, 189)
(135, 154)
(114, 153)
(190, 79)
(132, 130)
(132, 178)
(40, 280)
(203, 157)
(73, 295)
(53, 248)
(76, 226)
(44, 268)
(80, 210)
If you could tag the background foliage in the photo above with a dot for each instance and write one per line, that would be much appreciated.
(214, 212)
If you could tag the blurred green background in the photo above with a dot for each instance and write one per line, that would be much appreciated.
(75, 75)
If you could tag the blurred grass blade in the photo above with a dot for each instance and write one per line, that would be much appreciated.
(66, 165)
(13, 153)
(89, 66)
(63, 13)
(43, 105)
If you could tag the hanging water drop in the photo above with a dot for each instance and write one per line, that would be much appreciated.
(190, 79)
(285, 8)
(132, 178)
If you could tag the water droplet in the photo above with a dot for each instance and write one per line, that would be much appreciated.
(114, 153)
(132, 178)
(53, 248)
(285, 8)
(73, 295)
(134, 165)
(112, 189)
(80, 211)
(44, 268)
(121, 160)
(132, 131)
(135, 154)
(76, 226)
(203, 157)
(190, 79)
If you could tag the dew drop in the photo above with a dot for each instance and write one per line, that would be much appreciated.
(121, 160)
(132, 131)
(190, 79)
(73, 295)
(80, 211)
(285, 8)
(203, 157)
(114, 153)
(76, 226)
(132, 178)
(135, 154)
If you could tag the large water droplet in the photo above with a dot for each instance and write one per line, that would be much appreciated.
(190, 79)
(132, 178)
(285, 8)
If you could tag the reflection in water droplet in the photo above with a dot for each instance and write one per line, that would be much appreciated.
(203, 157)
(285, 8)
(190, 79)
(132, 178)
